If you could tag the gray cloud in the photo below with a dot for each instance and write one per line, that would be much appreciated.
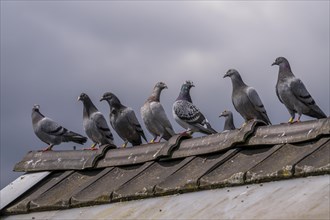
(52, 51)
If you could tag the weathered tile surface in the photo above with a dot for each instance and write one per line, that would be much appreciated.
(143, 185)
(101, 190)
(280, 164)
(61, 160)
(187, 178)
(232, 172)
(316, 163)
(22, 205)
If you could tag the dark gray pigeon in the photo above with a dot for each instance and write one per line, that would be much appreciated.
(95, 125)
(246, 99)
(229, 122)
(124, 121)
(50, 132)
(154, 116)
(188, 115)
(293, 94)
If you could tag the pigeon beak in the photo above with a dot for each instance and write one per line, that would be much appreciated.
(221, 115)
(226, 75)
(78, 99)
(165, 87)
(274, 63)
(102, 99)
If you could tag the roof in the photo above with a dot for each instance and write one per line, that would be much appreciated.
(252, 154)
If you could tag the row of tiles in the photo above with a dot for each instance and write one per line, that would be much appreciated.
(179, 146)
(65, 189)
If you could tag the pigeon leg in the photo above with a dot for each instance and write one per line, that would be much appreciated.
(47, 148)
(187, 132)
(291, 120)
(93, 147)
(298, 119)
(124, 144)
(153, 140)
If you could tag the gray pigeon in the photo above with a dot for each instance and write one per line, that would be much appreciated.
(188, 115)
(246, 99)
(124, 121)
(95, 125)
(154, 116)
(229, 122)
(50, 132)
(293, 94)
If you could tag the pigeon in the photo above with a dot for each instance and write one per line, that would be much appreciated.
(154, 116)
(95, 125)
(229, 122)
(246, 99)
(188, 115)
(293, 94)
(50, 132)
(124, 121)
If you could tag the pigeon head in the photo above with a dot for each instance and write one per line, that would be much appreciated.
(283, 63)
(230, 73)
(161, 85)
(225, 113)
(36, 111)
(110, 98)
(185, 90)
(187, 85)
(36, 108)
(280, 60)
(83, 97)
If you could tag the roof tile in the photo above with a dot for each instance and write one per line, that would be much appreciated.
(58, 197)
(316, 163)
(60, 160)
(22, 205)
(100, 191)
(233, 171)
(280, 164)
(216, 142)
(187, 178)
(290, 133)
(143, 185)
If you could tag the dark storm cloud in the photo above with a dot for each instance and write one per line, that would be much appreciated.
(52, 51)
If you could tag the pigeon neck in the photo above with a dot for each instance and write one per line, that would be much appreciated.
(237, 81)
(184, 94)
(89, 107)
(229, 123)
(36, 116)
(285, 70)
(155, 95)
(115, 103)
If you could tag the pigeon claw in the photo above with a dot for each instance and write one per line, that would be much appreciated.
(291, 120)
(49, 148)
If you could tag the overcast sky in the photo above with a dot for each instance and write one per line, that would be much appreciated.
(51, 51)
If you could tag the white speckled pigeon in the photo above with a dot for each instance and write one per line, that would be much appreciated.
(154, 116)
(188, 115)
(293, 94)
(124, 121)
(229, 122)
(95, 125)
(246, 99)
(50, 132)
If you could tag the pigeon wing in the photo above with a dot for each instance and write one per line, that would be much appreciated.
(51, 127)
(102, 125)
(300, 92)
(134, 121)
(160, 116)
(256, 101)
